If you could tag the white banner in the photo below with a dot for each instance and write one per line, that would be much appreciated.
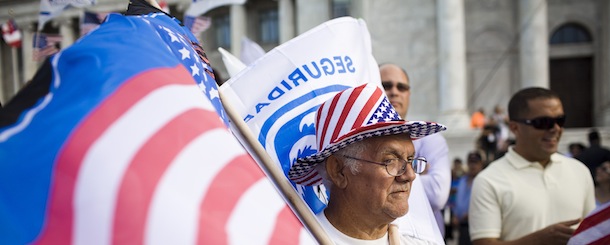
(279, 94)
(50, 9)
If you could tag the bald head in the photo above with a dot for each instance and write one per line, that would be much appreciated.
(397, 86)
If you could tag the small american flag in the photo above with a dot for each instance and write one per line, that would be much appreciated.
(594, 229)
(45, 45)
(197, 25)
(11, 34)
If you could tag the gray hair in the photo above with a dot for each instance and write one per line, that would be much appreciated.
(355, 150)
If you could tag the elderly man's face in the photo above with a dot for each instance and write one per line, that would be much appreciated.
(382, 196)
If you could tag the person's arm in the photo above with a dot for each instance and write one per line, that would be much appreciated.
(558, 233)
(437, 180)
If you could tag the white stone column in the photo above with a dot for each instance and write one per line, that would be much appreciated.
(311, 13)
(238, 27)
(67, 32)
(29, 65)
(360, 8)
(534, 43)
(452, 64)
(286, 20)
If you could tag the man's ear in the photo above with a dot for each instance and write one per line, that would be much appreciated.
(334, 169)
(513, 126)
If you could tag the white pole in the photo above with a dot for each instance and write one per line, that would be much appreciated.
(15, 65)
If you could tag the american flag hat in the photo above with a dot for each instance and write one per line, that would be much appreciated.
(353, 115)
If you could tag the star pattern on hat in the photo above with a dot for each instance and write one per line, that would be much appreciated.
(383, 113)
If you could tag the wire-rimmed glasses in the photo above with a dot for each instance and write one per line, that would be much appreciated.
(398, 166)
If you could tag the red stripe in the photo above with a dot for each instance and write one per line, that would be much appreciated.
(287, 228)
(348, 107)
(594, 219)
(224, 192)
(149, 164)
(602, 241)
(367, 107)
(331, 109)
(58, 226)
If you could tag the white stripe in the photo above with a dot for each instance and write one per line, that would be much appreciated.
(253, 219)
(173, 216)
(306, 238)
(106, 161)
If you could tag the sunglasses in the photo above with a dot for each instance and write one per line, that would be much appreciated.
(402, 87)
(544, 122)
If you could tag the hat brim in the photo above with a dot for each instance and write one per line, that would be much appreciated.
(303, 171)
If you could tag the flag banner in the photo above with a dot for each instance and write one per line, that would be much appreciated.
(50, 9)
(232, 63)
(594, 229)
(199, 7)
(126, 149)
(45, 45)
(11, 34)
(197, 25)
(90, 21)
(278, 95)
(164, 6)
(250, 51)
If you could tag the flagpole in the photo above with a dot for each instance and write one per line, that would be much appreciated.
(15, 70)
(300, 209)
(154, 3)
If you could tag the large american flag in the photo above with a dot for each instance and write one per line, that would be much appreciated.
(128, 147)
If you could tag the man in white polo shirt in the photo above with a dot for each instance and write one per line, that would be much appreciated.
(532, 195)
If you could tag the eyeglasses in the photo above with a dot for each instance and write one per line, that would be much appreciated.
(544, 122)
(402, 87)
(398, 166)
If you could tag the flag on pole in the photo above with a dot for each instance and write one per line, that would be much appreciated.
(126, 149)
(197, 25)
(45, 45)
(11, 34)
(200, 7)
(164, 6)
(250, 51)
(50, 9)
(232, 63)
(90, 21)
(279, 94)
(594, 229)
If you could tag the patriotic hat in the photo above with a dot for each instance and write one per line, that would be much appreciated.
(353, 115)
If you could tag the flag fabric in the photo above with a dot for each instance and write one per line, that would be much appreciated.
(250, 51)
(50, 9)
(197, 25)
(164, 6)
(279, 94)
(594, 229)
(90, 21)
(11, 34)
(200, 7)
(45, 45)
(126, 149)
(232, 63)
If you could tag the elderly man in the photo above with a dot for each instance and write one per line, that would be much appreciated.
(367, 160)
(531, 195)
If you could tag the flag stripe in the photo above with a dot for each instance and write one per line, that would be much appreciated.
(287, 229)
(59, 224)
(219, 203)
(348, 106)
(140, 180)
(173, 215)
(368, 107)
(325, 126)
(594, 219)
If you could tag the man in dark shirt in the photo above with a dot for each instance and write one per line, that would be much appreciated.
(595, 154)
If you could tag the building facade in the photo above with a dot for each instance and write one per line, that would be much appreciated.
(461, 55)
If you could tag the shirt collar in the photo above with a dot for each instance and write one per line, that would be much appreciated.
(518, 162)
